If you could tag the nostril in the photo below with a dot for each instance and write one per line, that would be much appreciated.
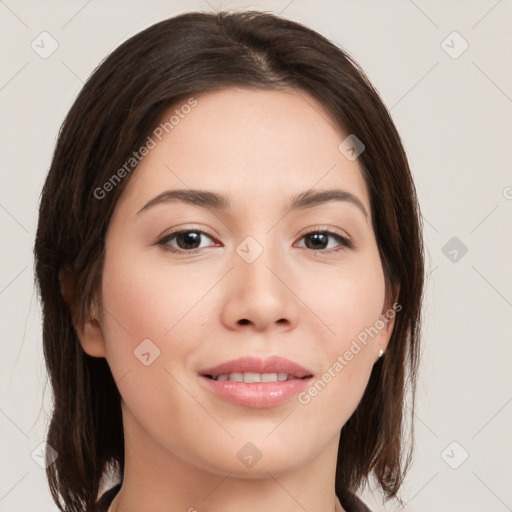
(244, 321)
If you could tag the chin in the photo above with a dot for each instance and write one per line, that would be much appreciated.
(255, 456)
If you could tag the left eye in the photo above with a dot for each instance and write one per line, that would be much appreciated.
(319, 240)
(190, 241)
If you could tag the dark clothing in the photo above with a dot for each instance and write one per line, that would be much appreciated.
(350, 502)
(106, 499)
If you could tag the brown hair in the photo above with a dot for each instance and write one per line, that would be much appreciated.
(116, 110)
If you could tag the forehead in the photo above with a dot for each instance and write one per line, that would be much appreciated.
(247, 144)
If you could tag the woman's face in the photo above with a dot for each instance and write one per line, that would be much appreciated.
(257, 277)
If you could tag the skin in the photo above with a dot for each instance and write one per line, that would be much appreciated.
(259, 148)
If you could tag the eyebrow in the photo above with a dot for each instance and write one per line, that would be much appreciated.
(216, 201)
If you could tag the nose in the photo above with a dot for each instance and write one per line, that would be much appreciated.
(259, 295)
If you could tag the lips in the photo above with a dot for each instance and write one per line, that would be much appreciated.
(255, 382)
(252, 366)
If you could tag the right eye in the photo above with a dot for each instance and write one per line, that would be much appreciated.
(187, 240)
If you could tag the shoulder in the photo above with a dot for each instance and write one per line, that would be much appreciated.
(106, 499)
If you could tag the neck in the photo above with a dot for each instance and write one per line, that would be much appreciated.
(114, 507)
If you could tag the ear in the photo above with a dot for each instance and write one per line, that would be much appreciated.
(90, 334)
(388, 315)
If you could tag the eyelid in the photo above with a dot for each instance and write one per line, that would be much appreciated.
(322, 228)
(186, 227)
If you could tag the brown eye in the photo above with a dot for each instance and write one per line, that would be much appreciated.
(320, 240)
(187, 240)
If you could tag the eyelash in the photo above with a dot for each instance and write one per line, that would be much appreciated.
(345, 243)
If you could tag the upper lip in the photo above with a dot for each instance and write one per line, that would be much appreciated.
(273, 364)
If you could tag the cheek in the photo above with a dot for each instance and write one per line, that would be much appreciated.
(151, 332)
(150, 296)
(146, 302)
(348, 299)
(350, 304)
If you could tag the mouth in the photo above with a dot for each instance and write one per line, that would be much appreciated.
(250, 377)
(256, 382)
(256, 369)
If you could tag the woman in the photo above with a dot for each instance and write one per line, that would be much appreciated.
(230, 264)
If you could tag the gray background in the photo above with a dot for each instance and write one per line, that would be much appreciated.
(454, 115)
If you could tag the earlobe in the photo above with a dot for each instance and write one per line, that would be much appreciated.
(91, 338)
(388, 316)
(383, 340)
(90, 333)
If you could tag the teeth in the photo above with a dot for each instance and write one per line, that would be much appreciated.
(250, 377)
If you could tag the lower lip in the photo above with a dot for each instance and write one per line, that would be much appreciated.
(257, 394)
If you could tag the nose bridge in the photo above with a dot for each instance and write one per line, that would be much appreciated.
(258, 293)
(257, 262)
